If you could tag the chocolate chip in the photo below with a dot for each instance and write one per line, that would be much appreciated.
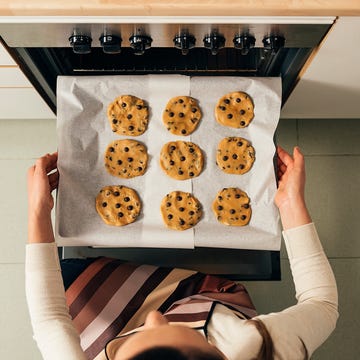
(191, 174)
(172, 147)
(168, 204)
(227, 101)
(220, 198)
(104, 204)
(243, 217)
(246, 206)
(180, 172)
(229, 116)
(171, 162)
(239, 143)
(242, 112)
(234, 156)
(191, 150)
(131, 128)
(183, 131)
(114, 121)
(111, 149)
(182, 222)
(126, 149)
(179, 198)
(242, 123)
(129, 116)
(116, 193)
(191, 213)
(119, 162)
(182, 158)
(126, 199)
(139, 107)
(110, 158)
(232, 211)
(181, 101)
(238, 100)
(140, 168)
(171, 114)
(242, 166)
(222, 108)
(130, 207)
(117, 205)
(194, 110)
(123, 104)
(225, 158)
(181, 209)
(237, 196)
(120, 214)
(169, 216)
(181, 114)
(220, 207)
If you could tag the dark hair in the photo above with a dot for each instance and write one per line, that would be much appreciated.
(168, 352)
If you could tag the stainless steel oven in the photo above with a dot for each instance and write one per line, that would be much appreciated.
(46, 47)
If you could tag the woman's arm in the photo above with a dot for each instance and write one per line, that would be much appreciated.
(52, 325)
(297, 331)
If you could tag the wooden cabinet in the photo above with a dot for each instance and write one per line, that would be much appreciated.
(330, 87)
(18, 99)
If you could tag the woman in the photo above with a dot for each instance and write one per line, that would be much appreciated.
(231, 328)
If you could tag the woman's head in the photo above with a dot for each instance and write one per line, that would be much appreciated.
(158, 337)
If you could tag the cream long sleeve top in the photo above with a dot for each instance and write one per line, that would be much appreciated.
(296, 331)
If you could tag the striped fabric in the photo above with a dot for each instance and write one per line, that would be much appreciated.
(110, 298)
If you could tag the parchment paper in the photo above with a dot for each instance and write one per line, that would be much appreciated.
(84, 133)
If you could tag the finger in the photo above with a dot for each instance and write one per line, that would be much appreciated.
(46, 163)
(298, 157)
(54, 180)
(284, 156)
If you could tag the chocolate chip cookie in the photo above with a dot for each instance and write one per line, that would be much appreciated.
(235, 109)
(182, 115)
(181, 160)
(126, 158)
(118, 205)
(232, 207)
(128, 115)
(180, 210)
(235, 155)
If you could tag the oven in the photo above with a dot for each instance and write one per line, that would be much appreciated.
(45, 48)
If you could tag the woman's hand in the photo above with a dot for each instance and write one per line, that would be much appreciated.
(41, 184)
(42, 179)
(290, 197)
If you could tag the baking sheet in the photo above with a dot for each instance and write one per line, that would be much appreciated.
(84, 133)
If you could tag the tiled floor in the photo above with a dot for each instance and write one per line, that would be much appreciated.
(332, 151)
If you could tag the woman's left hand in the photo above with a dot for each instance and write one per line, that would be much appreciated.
(42, 179)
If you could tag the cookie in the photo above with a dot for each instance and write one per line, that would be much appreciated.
(118, 205)
(128, 115)
(181, 160)
(126, 158)
(235, 155)
(235, 109)
(232, 207)
(180, 210)
(182, 115)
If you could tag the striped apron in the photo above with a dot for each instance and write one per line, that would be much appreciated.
(111, 298)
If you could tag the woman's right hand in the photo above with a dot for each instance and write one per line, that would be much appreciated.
(290, 198)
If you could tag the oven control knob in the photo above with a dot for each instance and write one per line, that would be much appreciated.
(140, 43)
(214, 42)
(81, 44)
(184, 42)
(244, 43)
(273, 43)
(111, 44)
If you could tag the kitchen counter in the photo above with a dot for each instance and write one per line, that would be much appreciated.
(180, 8)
